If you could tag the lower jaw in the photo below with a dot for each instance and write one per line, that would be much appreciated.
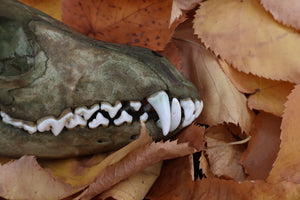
(79, 141)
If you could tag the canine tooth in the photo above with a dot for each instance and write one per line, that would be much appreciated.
(161, 104)
(125, 117)
(144, 117)
(99, 120)
(112, 110)
(85, 112)
(75, 121)
(198, 108)
(188, 109)
(175, 114)
(55, 125)
(136, 105)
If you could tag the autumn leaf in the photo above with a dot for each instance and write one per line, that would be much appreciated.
(285, 12)
(263, 147)
(287, 164)
(50, 7)
(141, 23)
(264, 94)
(249, 39)
(25, 179)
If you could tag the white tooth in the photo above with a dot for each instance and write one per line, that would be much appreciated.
(27, 126)
(99, 120)
(136, 105)
(144, 117)
(198, 108)
(30, 127)
(55, 125)
(112, 110)
(161, 104)
(85, 112)
(125, 117)
(75, 121)
(188, 109)
(175, 114)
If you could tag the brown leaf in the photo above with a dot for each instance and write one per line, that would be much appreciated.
(175, 181)
(171, 53)
(141, 23)
(135, 186)
(285, 12)
(50, 7)
(223, 158)
(138, 160)
(222, 102)
(25, 179)
(249, 39)
(265, 94)
(287, 164)
(217, 189)
(263, 147)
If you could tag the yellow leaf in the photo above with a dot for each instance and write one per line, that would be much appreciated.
(287, 164)
(249, 39)
(265, 94)
(50, 7)
(286, 12)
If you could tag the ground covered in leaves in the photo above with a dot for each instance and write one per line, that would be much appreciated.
(243, 56)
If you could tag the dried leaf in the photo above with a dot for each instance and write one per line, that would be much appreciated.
(287, 164)
(171, 53)
(138, 160)
(175, 181)
(249, 39)
(81, 171)
(285, 12)
(216, 189)
(223, 158)
(50, 7)
(222, 101)
(263, 147)
(204, 166)
(25, 179)
(141, 23)
(265, 94)
(135, 186)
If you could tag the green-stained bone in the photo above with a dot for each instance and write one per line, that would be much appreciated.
(46, 67)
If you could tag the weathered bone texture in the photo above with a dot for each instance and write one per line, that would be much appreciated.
(46, 67)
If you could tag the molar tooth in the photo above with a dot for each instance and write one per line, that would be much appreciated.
(136, 105)
(175, 114)
(30, 127)
(188, 109)
(75, 121)
(144, 117)
(85, 112)
(125, 117)
(112, 110)
(55, 125)
(99, 120)
(161, 104)
(198, 108)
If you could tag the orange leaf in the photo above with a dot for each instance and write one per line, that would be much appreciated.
(249, 39)
(141, 23)
(25, 179)
(286, 12)
(263, 147)
(50, 7)
(265, 94)
(223, 158)
(286, 166)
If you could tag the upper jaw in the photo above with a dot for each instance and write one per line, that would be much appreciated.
(169, 114)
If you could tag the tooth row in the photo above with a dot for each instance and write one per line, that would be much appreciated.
(170, 115)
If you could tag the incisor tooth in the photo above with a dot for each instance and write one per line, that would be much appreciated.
(198, 108)
(175, 114)
(99, 120)
(112, 110)
(125, 117)
(161, 104)
(188, 109)
(55, 125)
